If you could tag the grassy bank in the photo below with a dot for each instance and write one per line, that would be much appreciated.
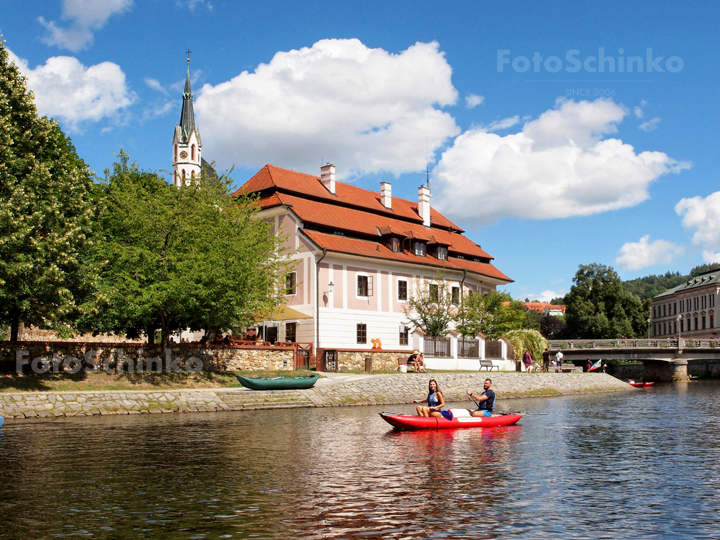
(101, 381)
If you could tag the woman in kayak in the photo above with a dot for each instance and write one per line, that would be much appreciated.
(435, 401)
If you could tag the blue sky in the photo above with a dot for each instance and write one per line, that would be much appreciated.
(545, 160)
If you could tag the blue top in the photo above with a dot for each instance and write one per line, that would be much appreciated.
(489, 403)
(432, 400)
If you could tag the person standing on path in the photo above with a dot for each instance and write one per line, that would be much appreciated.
(558, 361)
(527, 360)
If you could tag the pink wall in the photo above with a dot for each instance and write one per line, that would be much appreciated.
(369, 303)
(397, 305)
(338, 282)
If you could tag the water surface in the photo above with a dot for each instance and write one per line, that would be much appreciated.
(642, 464)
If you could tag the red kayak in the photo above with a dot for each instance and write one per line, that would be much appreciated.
(640, 384)
(403, 421)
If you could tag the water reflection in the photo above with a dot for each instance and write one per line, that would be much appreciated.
(642, 464)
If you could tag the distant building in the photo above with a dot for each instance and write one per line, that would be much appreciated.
(545, 308)
(688, 309)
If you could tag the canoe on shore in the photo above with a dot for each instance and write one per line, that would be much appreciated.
(278, 383)
(403, 421)
(640, 384)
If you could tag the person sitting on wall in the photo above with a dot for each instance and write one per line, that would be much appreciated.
(417, 360)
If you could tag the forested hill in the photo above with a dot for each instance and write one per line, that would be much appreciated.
(650, 286)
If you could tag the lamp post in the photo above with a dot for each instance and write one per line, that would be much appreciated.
(679, 319)
(649, 321)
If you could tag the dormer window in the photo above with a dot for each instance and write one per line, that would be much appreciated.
(420, 249)
(395, 244)
(442, 253)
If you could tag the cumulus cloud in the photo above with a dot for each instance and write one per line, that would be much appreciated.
(643, 254)
(70, 92)
(86, 17)
(703, 216)
(472, 101)
(366, 110)
(559, 165)
(650, 124)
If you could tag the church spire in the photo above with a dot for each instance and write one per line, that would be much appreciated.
(187, 146)
(187, 116)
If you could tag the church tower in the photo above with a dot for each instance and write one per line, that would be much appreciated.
(187, 147)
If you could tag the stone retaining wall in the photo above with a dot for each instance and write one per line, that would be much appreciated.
(350, 360)
(361, 390)
(136, 357)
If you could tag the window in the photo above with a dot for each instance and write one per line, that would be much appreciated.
(404, 333)
(402, 290)
(291, 332)
(712, 320)
(395, 244)
(364, 286)
(362, 333)
(420, 249)
(455, 296)
(442, 253)
(192, 150)
(703, 322)
(291, 283)
(434, 293)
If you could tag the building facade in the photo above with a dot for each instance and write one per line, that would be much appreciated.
(688, 310)
(361, 255)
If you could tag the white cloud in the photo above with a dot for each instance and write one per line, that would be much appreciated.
(155, 85)
(365, 110)
(86, 17)
(643, 254)
(472, 101)
(638, 111)
(650, 124)
(505, 123)
(192, 4)
(703, 215)
(545, 296)
(558, 166)
(72, 93)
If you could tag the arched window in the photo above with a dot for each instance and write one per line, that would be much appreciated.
(193, 152)
(175, 154)
(192, 174)
(183, 174)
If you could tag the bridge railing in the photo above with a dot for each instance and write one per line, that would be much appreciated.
(632, 343)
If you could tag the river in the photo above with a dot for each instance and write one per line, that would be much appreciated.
(640, 464)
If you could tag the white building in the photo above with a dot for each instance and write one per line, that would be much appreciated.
(360, 254)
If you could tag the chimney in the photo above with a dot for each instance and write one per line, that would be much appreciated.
(327, 177)
(424, 204)
(386, 195)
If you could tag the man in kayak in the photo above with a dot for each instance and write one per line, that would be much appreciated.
(485, 401)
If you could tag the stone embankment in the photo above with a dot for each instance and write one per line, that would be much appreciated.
(336, 390)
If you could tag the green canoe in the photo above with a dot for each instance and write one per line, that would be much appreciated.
(278, 383)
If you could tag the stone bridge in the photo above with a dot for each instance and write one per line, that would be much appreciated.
(663, 360)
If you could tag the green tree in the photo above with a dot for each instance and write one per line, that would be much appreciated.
(430, 308)
(46, 214)
(531, 340)
(599, 308)
(190, 257)
(491, 314)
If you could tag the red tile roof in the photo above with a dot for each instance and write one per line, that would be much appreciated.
(361, 217)
(288, 181)
(367, 248)
(544, 306)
